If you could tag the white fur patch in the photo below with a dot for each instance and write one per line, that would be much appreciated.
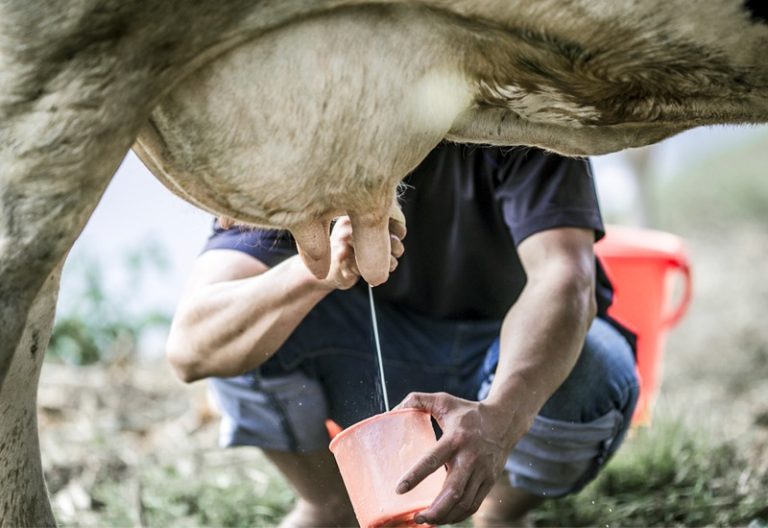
(545, 105)
(437, 98)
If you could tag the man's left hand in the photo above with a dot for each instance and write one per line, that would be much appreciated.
(476, 441)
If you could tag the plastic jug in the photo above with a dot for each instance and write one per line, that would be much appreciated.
(640, 263)
(374, 454)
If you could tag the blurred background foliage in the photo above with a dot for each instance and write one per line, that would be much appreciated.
(103, 318)
(719, 190)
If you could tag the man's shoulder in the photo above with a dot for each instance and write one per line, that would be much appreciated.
(502, 159)
(266, 245)
(489, 153)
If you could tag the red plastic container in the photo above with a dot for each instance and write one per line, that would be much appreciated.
(641, 264)
(373, 455)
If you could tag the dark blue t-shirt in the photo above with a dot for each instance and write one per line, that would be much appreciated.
(467, 209)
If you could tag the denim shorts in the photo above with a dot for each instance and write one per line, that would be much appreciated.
(328, 369)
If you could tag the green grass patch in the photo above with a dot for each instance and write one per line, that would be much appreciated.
(667, 475)
(240, 492)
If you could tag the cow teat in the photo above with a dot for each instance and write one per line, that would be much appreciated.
(370, 233)
(314, 246)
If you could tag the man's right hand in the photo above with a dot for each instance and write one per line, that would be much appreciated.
(344, 273)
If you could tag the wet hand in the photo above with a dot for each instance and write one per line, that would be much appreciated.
(476, 441)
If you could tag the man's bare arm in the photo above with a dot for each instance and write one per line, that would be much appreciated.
(236, 312)
(541, 338)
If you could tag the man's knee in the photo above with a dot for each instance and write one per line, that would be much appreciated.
(604, 379)
(282, 413)
(556, 458)
(583, 423)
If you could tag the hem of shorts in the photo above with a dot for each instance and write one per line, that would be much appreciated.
(244, 440)
(598, 461)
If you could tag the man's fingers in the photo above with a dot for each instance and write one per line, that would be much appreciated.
(397, 246)
(352, 265)
(397, 228)
(436, 404)
(420, 400)
(430, 463)
(482, 494)
(458, 510)
(417, 400)
(346, 272)
(454, 493)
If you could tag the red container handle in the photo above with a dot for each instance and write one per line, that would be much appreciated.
(672, 318)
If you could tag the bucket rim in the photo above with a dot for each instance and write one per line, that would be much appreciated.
(624, 242)
(362, 423)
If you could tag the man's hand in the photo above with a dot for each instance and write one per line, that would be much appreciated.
(476, 440)
(344, 273)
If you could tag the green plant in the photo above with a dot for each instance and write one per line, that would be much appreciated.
(100, 323)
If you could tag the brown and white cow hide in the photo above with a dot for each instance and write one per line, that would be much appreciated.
(286, 113)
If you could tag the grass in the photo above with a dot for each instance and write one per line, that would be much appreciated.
(666, 475)
(238, 488)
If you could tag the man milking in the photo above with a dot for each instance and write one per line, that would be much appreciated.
(493, 320)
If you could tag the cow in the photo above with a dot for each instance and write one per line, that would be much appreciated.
(287, 113)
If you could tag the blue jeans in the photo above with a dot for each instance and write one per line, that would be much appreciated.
(328, 369)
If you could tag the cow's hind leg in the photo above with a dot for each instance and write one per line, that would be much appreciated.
(65, 124)
(53, 174)
(23, 497)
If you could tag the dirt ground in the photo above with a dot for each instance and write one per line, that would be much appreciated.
(716, 362)
(107, 424)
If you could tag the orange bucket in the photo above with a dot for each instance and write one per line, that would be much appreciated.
(640, 264)
(374, 454)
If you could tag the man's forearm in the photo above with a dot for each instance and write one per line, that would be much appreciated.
(541, 338)
(227, 328)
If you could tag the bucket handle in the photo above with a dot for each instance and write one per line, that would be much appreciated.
(674, 316)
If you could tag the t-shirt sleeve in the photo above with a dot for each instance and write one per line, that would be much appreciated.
(539, 191)
(270, 246)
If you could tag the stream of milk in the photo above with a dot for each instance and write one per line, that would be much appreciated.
(378, 348)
